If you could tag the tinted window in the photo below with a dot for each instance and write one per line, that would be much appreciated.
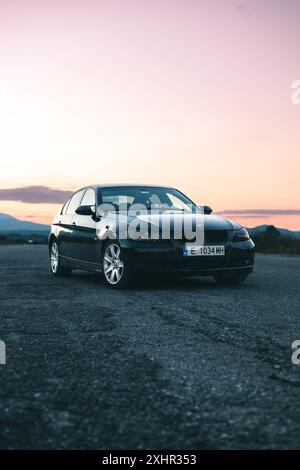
(88, 198)
(74, 202)
(177, 202)
(65, 207)
(147, 196)
(109, 197)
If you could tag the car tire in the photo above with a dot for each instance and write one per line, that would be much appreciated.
(114, 270)
(55, 263)
(230, 280)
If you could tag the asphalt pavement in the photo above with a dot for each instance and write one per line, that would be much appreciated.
(177, 364)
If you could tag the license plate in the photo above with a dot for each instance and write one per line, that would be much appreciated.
(212, 250)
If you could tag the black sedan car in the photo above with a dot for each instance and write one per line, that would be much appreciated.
(123, 230)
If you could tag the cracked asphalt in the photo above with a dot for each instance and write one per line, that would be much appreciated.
(180, 364)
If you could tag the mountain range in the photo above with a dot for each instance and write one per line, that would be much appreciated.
(9, 224)
(283, 231)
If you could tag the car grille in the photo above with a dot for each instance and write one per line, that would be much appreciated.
(211, 237)
(215, 236)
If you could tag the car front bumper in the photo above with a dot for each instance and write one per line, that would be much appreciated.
(167, 255)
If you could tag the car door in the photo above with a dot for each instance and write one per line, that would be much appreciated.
(84, 237)
(67, 243)
(65, 229)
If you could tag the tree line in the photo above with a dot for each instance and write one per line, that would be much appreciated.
(272, 241)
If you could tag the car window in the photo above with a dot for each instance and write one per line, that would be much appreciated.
(154, 199)
(176, 201)
(130, 197)
(147, 196)
(108, 198)
(65, 207)
(88, 198)
(74, 202)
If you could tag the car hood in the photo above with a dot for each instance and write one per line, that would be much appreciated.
(211, 222)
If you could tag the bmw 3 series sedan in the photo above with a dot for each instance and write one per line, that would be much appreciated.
(123, 230)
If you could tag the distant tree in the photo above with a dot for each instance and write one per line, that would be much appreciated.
(272, 231)
(3, 239)
(271, 241)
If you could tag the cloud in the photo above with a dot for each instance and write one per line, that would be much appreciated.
(34, 195)
(259, 212)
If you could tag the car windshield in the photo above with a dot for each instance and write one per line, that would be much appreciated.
(162, 199)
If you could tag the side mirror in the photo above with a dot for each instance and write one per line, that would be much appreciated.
(205, 209)
(85, 210)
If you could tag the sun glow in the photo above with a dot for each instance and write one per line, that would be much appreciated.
(118, 93)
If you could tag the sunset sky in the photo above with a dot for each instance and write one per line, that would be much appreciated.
(194, 94)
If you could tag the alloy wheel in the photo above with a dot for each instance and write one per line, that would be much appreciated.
(113, 266)
(54, 257)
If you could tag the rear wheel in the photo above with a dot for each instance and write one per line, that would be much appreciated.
(55, 263)
(115, 272)
(230, 280)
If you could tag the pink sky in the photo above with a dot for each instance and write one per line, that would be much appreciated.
(192, 94)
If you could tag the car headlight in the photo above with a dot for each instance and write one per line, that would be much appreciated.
(240, 235)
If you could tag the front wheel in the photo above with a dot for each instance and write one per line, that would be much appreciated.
(55, 263)
(230, 279)
(115, 272)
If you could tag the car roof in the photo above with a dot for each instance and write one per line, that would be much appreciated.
(122, 185)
